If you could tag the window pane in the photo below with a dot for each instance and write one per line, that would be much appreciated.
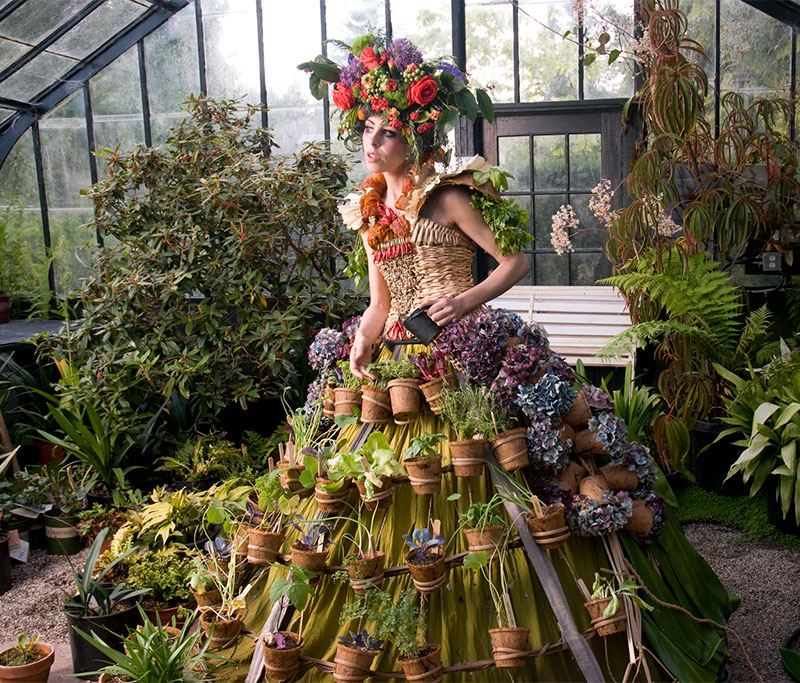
(551, 269)
(116, 89)
(586, 269)
(490, 47)
(514, 154)
(584, 161)
(18, 174)
(72, 239)
(549, 163)
(35, 20)
(589, 232)
(426, 24)
(602, 79)
(548, 63)
(28, 81)
(348, 20)
(94, 30)
(10, 52)
(545, 207)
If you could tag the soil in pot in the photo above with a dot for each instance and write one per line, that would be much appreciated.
(5, 564)
(375, 405)
(351, 665)
(112, 628)
(467, 457)
(428, 574)
(283, 664)
(511, 449)
(35, 671)
(509, 647)
(61, 536)
(428, 662)
(425, 475)
(221, 633)
(366, 571)
(405, 398)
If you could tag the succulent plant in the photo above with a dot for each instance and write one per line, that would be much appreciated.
(546, 451)
(589, 517)
(550, 396)
(597, 398)
(328, 347)
(610, 431)
(520, 365)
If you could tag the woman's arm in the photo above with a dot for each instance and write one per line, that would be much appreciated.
(454, 208)
(373, 319)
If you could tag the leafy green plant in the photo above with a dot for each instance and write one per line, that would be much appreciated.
(165, 572)
(207, 457)
(791, 660)
(508, 222)
(349, 380)
(382, 370)
(604, 587)
(479, 515)
(423, 447)
(375, 459)
(399, 369)
(468, 409)
(497, 579)
(66, 490)
(24, 652)
(295, 588)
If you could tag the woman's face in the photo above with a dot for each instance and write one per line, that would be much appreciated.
(385, 149)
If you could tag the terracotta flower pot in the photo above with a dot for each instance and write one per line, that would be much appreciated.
(594, 486)
(209, 598)
(427, 578)
(263, 546)
(586, 445)
(467, 457)
(331, 503)
(290, 479)
(550, 530)
(283, 665)
(35, 672)
(162, 615)
(433, 390)
(328, 403)
(580, 412)
(366, 571)
(570, 478)
(605, 627)
(375, 405)
(312, 560)
(427, 668)
(221, 633)
(641, 521)
(509, 647)
(351, 665)
(344, 400)
(425, 475)
(619, 477)
(489, 538)
(405, 398)
(511, 449)
(381, 497)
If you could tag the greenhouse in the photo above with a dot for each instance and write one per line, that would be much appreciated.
(362, 340)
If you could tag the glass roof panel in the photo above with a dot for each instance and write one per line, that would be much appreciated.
(4, 114)
(111, 17)
(35, 20)
(9, 52)
(27, 82)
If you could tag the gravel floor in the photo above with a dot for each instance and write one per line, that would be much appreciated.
(764, 577)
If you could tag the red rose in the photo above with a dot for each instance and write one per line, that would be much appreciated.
(343, 97)
(414, 116)
(423, 127)
(363, 92)
(396, 123)
(378, 104)
(423, 91)
(370, 60)
(391, 84)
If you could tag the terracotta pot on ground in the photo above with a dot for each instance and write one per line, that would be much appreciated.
(312, 560)
(550, 530)
(351, 665)
(641, 521)
(283, 665)
(619, 477)
(427, 578)
(381, 497)
(225, 631)
(366, 571)
(432, 390)
(263, 546)
(425, 475)
(405, 398)
(509, 647)
(208, 599)
(594, 486)
(605, 627)
(467, 457)
(580, 412)
(427, 668)
(586, 445)
(570, 478)
(375, 405)
(328, 404)
(162, 615)
(489, 538)
(35, 672)
(331, 503)
(344, 400)
(511, 449)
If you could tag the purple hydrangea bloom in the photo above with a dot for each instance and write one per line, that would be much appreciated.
(328, 347)
(350, 326)
(550, 492)
(478, 344)
(659, 507)
(403, 52)
(351, 73)
(637, 458)
(550, 396)
(589, 517)
(546, 451)
(611, 431)
(557, 366)
(519, 367)
(316, 391)
(597, 398)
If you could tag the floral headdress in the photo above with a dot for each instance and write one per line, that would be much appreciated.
(422, 99)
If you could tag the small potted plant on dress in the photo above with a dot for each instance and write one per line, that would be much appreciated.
(310, 551)
(282, 648)
(425, 560)
(424, 464)
(509, 444)
(28, 660)
(365, 566)
(223, 623)
(376, 407)
(202, 585)
(604, 603)
(509, 641)
(307, 440)
(354, 656)
(484, 526)
(547, 522)
(347, 395)
(166, 573)
(437, 375)
(265, 523)
(404, 390)
(467, 409)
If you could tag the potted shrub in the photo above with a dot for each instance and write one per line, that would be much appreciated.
(60, 523)
(202, 584)
(282, 648)
(310, 551)
(98, 607)
(347, 395)
(509, 641)
(436, 375)
(467, 410)
(403, 390)
(354, 656)
(484, 526)
(166, 573)
(425, 560)
(604, 603)
(376, 407)
(28, 660)
(424, 464)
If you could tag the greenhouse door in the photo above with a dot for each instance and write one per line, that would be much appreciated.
(557, 154)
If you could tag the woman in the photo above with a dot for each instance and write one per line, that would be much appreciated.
(419, 221)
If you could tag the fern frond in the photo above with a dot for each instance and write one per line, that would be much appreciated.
(755, 329)
(653, 332)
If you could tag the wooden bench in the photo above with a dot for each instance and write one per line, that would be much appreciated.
(578, 320)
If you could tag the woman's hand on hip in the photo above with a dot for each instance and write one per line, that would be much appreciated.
(444, 311)
(360, 358)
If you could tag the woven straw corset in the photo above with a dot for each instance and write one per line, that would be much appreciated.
(438, 264)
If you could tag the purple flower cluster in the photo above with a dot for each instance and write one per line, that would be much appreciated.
(351, 73)
(328, 347)
(557, 366)
(453, 70)
(659, 507)
(546, 451)
(519, 367)
(597, 398)
(611, 432)
(350, 326)
(589, 517)
(550, 492)
(316, 391)
(403, 52)
(638, 459)
(478, 344)
(550, 396)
